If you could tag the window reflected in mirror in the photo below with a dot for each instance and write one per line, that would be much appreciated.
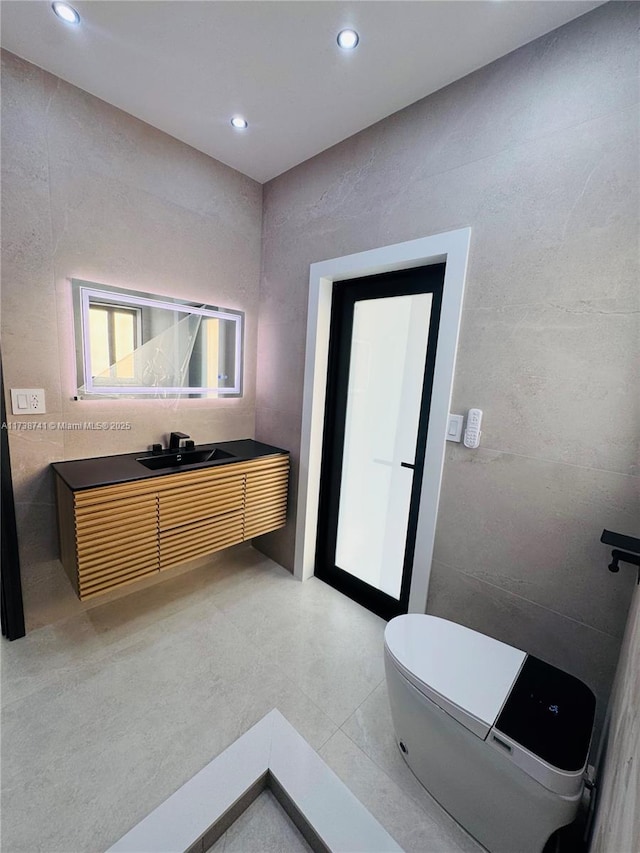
(136, 344)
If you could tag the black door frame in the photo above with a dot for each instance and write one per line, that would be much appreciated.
(425, 279)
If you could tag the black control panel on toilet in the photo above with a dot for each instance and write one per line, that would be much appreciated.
(550, 713)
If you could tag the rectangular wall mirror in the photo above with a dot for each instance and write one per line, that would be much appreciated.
(137, 344)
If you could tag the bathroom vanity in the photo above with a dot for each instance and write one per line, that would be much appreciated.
(120, 520)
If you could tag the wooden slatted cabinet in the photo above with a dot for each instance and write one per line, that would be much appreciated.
(108, 537)
(115, 535)
(201, 517)
(266, 496)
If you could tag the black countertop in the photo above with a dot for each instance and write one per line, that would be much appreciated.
(124, 468)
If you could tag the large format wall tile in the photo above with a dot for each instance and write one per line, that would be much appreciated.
(280, 367)
(525, 366)
(538, 535)
(103, 226)
(92, 193)
(31, 452)
(281, 429)
(557, 218)
(584, 71)
(30, 347)
(138, 155)
(571, 646)
(616, 825)
(138, 424)
(537, 153)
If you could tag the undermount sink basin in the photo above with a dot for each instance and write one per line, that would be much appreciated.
(184, 457)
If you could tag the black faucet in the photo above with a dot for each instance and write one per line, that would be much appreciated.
(175, 438)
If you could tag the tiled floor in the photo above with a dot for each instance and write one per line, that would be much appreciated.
(109, 712)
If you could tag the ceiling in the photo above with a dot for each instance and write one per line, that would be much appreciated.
(187, 66)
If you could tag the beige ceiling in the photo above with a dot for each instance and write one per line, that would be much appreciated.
(186, 66)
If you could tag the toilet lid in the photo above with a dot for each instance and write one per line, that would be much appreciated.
(466, 673)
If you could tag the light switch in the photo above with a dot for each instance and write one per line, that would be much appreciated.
(28, 401)
(454, 429)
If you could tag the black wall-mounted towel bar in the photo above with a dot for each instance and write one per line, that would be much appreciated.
(626, 550)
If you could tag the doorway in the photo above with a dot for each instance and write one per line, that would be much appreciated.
(450, 247)
(384, 332)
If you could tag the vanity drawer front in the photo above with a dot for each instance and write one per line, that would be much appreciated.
(266, 497)
(201, 501)
(265, 519)
(115, 520)
(117, 543)
(180, 544)
(118, 574)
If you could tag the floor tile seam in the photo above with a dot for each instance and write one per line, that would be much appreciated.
(8, 706)
(560, 462)
(50, 680)
(325, 741)
(530, 601)
(77, 670)
(288, 678)
(391, 779)
(94, 658)
(307, 696)
(92, 608)
(416, 801)
(360, 704)
(294, 684)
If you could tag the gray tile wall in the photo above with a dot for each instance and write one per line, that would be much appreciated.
(538, 153)
(90, 192)
(616, 825)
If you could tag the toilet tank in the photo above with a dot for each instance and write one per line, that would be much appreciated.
(473, 721)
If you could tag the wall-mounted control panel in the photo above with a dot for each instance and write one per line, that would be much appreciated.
(28, 401)
(472, 432)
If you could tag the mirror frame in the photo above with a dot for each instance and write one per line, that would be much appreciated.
(82, 291)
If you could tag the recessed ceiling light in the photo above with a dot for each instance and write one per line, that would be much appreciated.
(348, 39)
(239, 122)
(65, 12)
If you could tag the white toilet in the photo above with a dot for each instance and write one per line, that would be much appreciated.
(497, 736)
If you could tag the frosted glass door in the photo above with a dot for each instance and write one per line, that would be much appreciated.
(386, 376)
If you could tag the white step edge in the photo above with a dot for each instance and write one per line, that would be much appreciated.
(272, 747)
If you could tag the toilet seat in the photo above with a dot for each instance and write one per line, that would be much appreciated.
(467, 674)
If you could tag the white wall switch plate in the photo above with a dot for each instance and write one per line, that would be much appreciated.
(28, 401)
(454, 428)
